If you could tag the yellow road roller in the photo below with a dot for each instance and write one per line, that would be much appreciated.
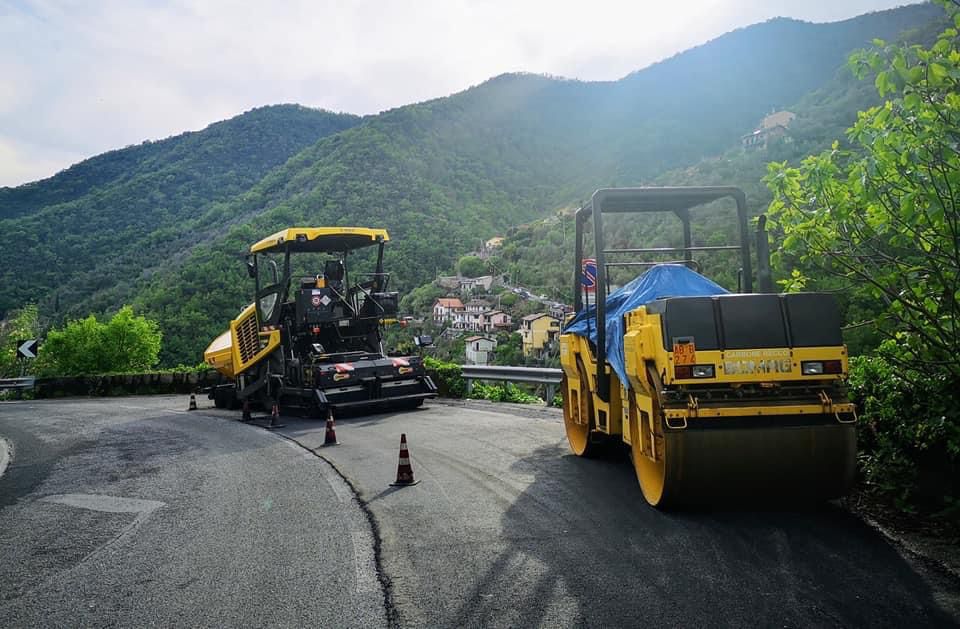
(720, 396)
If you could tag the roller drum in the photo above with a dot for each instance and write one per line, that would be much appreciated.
(703, 466)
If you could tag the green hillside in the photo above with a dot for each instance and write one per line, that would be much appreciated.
(529, 252)
(100, 223)
(441, 174)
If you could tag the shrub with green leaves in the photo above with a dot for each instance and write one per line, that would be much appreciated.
(125, 343)
(909, 432)
(449, 377)
(507, 392)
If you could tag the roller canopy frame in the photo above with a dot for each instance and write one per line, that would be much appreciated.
(679, 201)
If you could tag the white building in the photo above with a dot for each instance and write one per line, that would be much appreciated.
(480, 350)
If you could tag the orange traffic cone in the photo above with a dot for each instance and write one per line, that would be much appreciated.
(246, 412)
(330, 439)
(404, 470)
(274, 415)
(193, 403)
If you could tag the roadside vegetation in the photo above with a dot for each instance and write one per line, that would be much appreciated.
(879, 222)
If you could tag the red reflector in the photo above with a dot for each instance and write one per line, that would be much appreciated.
(683, 371)
(401, 362)
(832, 366)
(343, 367)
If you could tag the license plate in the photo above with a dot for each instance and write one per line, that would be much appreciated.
(684, 351)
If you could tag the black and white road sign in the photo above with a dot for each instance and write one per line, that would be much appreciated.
(27, 349)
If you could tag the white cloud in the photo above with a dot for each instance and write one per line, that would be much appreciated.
(21, 162)
(81, 78)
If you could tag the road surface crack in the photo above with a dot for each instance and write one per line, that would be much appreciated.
(386, 585)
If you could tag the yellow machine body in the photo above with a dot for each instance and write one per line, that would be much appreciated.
(697, 440)
(252, 344)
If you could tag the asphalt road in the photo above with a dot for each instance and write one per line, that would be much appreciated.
(131, 512)
(508, 529)
(505, 529)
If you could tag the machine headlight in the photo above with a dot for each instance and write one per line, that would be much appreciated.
(820, 367)
(684, 372)
(703, 371)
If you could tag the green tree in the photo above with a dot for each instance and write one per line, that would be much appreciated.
(25, 324)
(130, 343)
(86, 346)
(883, 218)
(509, 349)
(471, 266)
(880, 222)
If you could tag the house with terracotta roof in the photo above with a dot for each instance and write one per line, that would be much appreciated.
(446, 309)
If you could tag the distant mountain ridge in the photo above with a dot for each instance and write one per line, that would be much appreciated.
(442, 173)
(119, 204)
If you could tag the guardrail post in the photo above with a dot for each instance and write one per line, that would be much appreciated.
(469, 387)
(551, 393)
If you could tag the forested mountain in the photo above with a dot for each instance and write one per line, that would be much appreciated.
(823, 115)
(106, 219)
(441, 174)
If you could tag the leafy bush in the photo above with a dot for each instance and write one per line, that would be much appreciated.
(909, 437)
(557, 400)
(125, 343)
(24, 324)
(449, 377)
(507, 392)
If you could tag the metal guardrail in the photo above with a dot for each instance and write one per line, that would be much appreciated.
(17, 384)
(530, 375)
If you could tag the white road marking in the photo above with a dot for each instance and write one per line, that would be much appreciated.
(108, 504)
(364, 562)
(4, 455)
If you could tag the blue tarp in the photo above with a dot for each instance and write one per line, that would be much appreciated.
(663, 280)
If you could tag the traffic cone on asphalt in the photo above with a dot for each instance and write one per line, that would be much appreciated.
(330, 439)
(274, 416)
(246, 412)
(404, 470)
(193, 403)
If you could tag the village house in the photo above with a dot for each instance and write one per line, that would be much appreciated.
(480, 350)
(445, 309)
(537, 330)
(771, 128)
(466, 285)
(497, 321)
(486, 248)
(560, 311)
(480, 318)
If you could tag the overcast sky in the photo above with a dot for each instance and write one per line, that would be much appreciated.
(80, 78)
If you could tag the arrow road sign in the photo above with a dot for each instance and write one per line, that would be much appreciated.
(27, 349)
